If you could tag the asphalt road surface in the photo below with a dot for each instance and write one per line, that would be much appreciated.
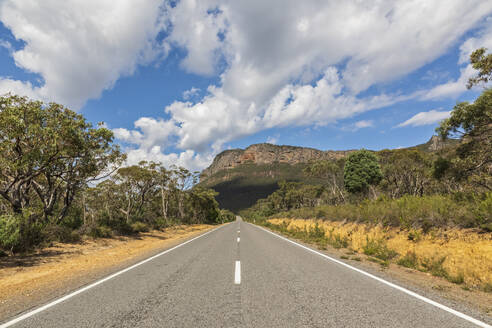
(240, 275)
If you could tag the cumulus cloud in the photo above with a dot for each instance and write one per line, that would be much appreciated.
(426, 118)
(196, 27)
(306, 64)
(80, 48)
(280, 70)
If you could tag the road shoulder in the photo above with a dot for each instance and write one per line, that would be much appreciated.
(29, 281)
(475, 303)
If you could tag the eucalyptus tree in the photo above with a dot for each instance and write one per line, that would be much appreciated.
(48, 153)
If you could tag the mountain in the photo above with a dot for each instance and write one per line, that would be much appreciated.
(242, 176)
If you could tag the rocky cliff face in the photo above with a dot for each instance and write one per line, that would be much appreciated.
(268, 154)
(436, 143)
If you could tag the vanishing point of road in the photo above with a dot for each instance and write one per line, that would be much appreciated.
(240, 275)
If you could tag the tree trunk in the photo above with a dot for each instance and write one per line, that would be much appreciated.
(164, 204)
(373, 190)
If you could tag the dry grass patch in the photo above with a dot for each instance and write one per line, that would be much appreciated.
(462, 256)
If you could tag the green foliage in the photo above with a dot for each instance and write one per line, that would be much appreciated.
(378, 249)
(331, 173)
(48, 153)
(440, 167)
(100, 232)
(241, 187)
(51, 158)
(18, 232)
(435, 266)
(409, 260)
(483, 64)
(406, 172)
(426, 212)
(472, 160)
(361, 171)
(139, 227)
(10, 236)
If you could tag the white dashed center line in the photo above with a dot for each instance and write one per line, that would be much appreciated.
(237, 274)
(238, 239)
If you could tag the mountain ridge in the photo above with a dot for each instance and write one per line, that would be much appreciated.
(242, 176)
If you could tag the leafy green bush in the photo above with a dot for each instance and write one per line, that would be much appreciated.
(361, 171)
(60, 233)
(139, 227)
(100, 232)
(378, 249)
(10, 237)
(409, 212)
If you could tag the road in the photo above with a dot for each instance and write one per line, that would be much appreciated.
(240, 276)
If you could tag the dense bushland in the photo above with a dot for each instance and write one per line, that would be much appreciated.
(61, 178)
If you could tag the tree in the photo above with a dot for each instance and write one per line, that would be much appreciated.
(138, 183)
(331, 172)
(473, 124)
(361, 172)
(204, 206)
(405, 171)
(166, 184)
(48, 153)
(482, 63)
(184, 180)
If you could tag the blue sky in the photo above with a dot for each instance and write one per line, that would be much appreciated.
(179, 82)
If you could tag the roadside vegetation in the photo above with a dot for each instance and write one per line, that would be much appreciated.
(430, 211)
(62, 179)
(461, 256)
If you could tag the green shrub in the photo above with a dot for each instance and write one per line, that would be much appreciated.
(61, 234)
(435, 266)
(378, 249)
(10, 237)
(139, 227)
(409, 260)
(100, 232)
(458, 279)
(409, 212)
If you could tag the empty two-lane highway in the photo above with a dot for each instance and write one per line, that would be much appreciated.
(241, 276)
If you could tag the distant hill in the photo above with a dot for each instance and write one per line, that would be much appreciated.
(242, 176)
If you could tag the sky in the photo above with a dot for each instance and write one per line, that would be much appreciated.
(180, 81)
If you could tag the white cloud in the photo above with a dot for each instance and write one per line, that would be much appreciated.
(80, 48)
(187, 94)
(426, 118)
(358, 125)
(150, 133)
(454, 88)
(188, 158)
(306, 64)
(196, 26)
(363, 124)
(272, 139)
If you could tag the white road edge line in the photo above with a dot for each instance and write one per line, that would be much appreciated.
(404, 290)
(237, 273)
(79, 291)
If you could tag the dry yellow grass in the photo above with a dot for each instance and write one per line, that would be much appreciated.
(466, 255)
